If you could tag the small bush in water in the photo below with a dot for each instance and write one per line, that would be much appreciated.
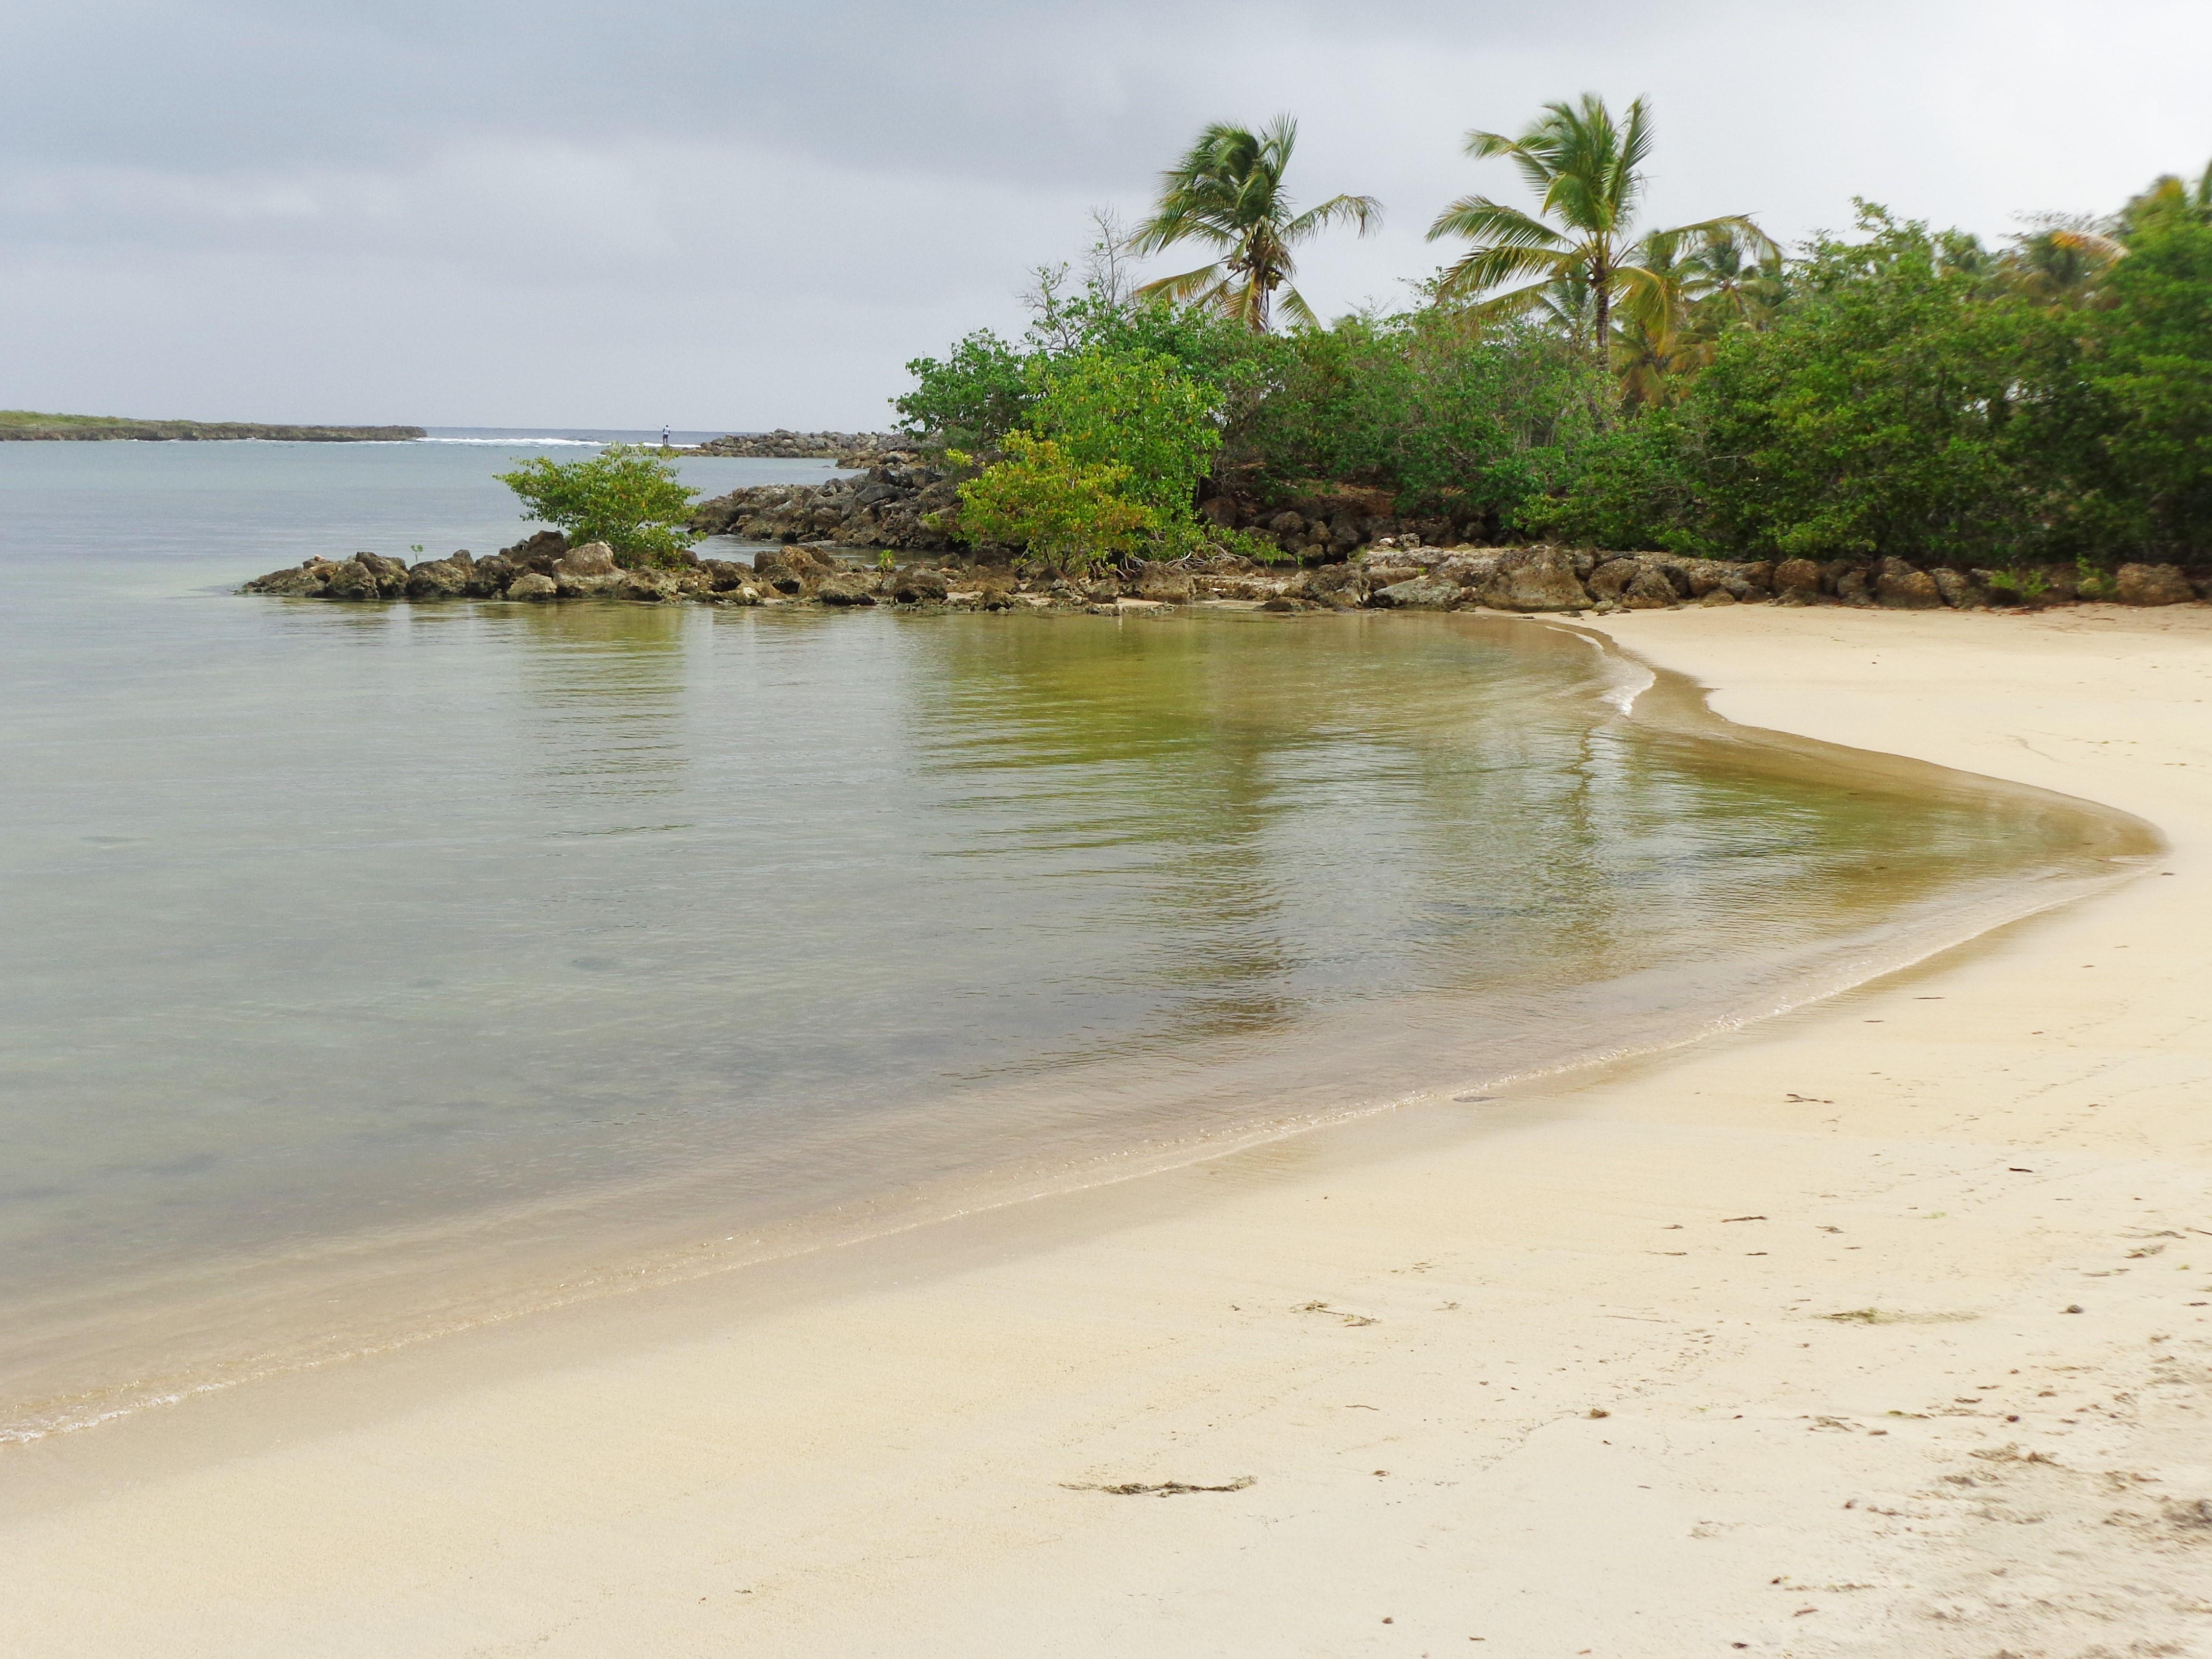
(625, 496)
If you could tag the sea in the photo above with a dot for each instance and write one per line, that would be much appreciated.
(370, 972)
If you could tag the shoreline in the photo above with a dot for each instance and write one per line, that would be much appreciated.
(552, 1486)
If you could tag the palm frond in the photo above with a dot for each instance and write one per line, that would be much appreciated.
(1732, 225)
(1482, 146)
(1192, 287)
(1514, 302)
(1647, 294)
(1366, 211)
(1294, 303)
(1478, 219)
(1485, 268)
(1630, 148)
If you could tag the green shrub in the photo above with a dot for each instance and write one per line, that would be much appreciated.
(1476, 425)
(1069, 514)
(1633, 490)
(972, 398)
(1136, 410)
(625, 496)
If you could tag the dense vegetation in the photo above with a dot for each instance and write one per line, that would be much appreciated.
(1897, 391)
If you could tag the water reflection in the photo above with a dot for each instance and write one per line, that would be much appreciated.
(602, 712)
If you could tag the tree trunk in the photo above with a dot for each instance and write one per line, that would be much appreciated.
(1602, 290)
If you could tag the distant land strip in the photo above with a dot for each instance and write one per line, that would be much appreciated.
(28, 426)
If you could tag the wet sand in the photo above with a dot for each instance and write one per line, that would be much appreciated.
(1557, 1373)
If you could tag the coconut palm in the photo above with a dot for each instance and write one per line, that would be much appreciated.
(1588, 170)
(2061, 261)
(1657, 343)
(1228, 191)
(1726, 282)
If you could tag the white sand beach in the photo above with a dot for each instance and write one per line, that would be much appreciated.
(1558, 1374)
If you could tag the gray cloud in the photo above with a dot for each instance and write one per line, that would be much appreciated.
(738, 214)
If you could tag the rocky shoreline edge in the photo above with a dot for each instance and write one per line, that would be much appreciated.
(853, 449)
(1394, 573)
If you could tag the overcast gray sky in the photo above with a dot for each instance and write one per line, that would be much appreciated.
(735, 215)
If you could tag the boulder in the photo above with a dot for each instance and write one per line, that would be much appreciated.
(1649, 589)
(845, 591)
(1797, 581)
(2153, 583)
(1704, 576)
(1957, 590)
(1900, 586)
(919, 585)
(540, 552)
(1535, 579)
(354, 579)
(1163, 587)
(533, 585)
(391, 573)
(790, 569)
(1419, 593)
(307, 581)
(592, 560)
(437, 579)
(650, 586)
(1347, 582)
(1610, 579)
(1852, 588)
(491, 576)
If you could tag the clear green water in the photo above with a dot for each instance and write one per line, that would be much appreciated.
(372, 968)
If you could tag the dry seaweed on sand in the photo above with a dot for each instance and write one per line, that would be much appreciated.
(1163, 1489)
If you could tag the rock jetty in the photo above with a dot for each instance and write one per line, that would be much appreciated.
(896, 504)
(846, 448)
(1396, 574)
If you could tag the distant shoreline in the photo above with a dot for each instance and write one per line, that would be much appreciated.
(25, 426)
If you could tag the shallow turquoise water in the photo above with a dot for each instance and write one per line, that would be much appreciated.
(374, 937)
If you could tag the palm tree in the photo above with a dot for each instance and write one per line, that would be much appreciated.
(1228, 191)
(1727, 281)
(1656, 344)
(2061, 262)
(1588, 170)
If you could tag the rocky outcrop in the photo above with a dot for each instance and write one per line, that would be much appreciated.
(900, 503)
(846, 448)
